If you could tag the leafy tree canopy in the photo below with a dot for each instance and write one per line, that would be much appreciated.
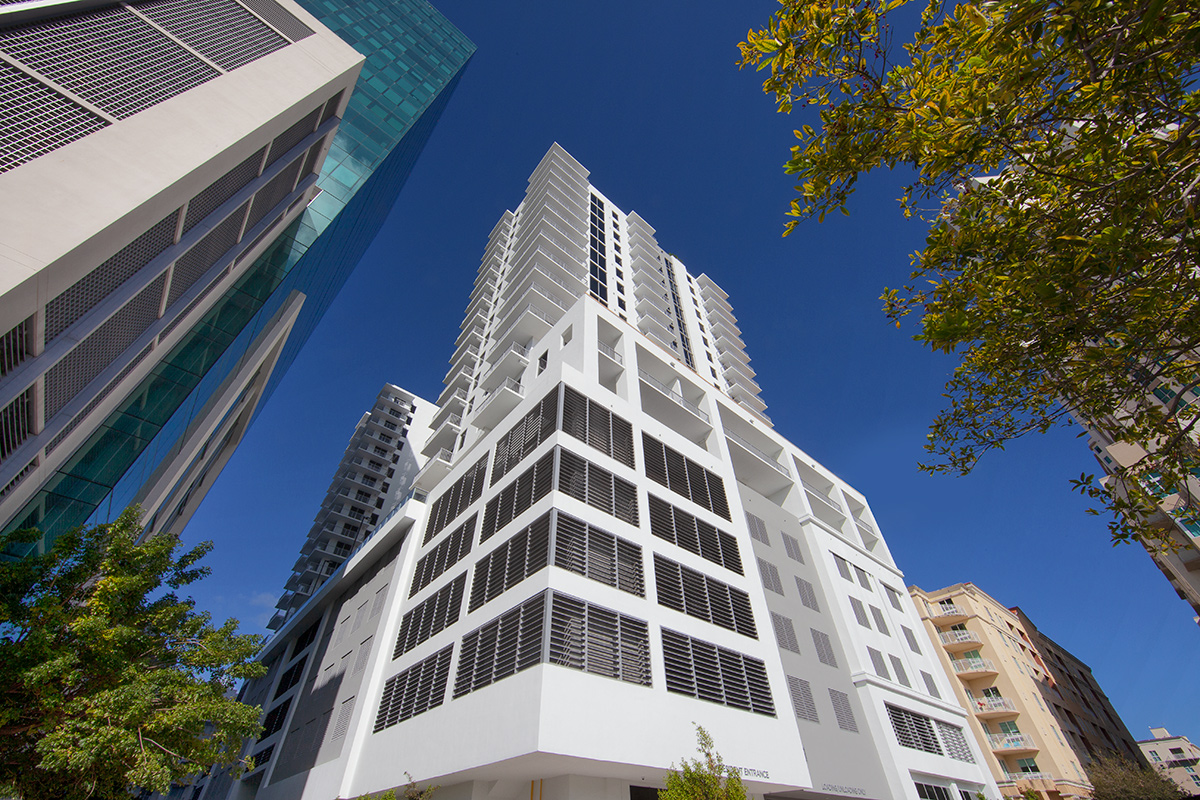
(1054, 147)
(111, 680)
(706, 778)
(1117, 778)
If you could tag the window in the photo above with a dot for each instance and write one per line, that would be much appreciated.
(433, 615)
(694, 535)
(1027, 765)
(445, 555)
(927, 791)
(599, 555)
(542, 359)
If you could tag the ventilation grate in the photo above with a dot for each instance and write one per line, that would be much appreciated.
(930, 685)
(598, 640)
(808, 594)
(280, 18)
(785, 633)
(684, 476)
(824, 647)
(597, 487)
(880, 624)
(15, 423)
(900, 672)
(525, 553)
(182, 315)
(802, 699)
(86, 293)
(913, 730)
(462, 493)
(112, 58)
(290, 678)
(758, 529)
(590, 422)
(97, 400)
(524, 437)
(37, 119)
(103, 346)
(704, 670)
(431, 617)
(700, 596)
(222, 31)
(331, 107)
(343, 721)
(415, 690)
(880, 665)
(514, 499)
(696, 536)
(275, 191)
(770, 576)
(597, 554)
(508, 644)
(14, 347)
(842, 711)
(311, 161)
(221, 190)
(860, 612)
(792, 545)
(911, 639)
(293, 136)
(445, 555)
(192, 265)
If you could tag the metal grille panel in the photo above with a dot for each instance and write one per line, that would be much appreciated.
(14, 423)
(103, 346)
(508, 644)
(598, 640)
(276, 189)
(785, 632)
(802, 699)
(597, 554)
(282, 19)
(111, 58)
(514, 499)
(97, 400)
(431, 617)
(525, 553)
(206, 252)
(182, 315)
(221, 190)
(694, 535)
(792, 545)
(14, 347)
(521, 440)
(86, 293)
(808, 594)
(770, 576)
(223, 31)
(913, 730)
(842, 711)
(454, 501)
(415, 690)
(824, 647)
(37, 119)
(704, 670)
(293, 136)
(445, 555)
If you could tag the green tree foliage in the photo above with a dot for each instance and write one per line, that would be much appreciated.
(1054, 149)
(410, 791)
(110, 679)
(706, 778)
(1114, 777)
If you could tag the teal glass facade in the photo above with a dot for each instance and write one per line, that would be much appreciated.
(414, 58)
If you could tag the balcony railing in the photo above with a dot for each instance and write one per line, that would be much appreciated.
(985, 705)
(820, 495)
(957, 637)
(946, 610)
(676, 396)
(1010, 741)
(761, 454)
(1029, 776)
(509, 384)
(611, 353)
(962, 665)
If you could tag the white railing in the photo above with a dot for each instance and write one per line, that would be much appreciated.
(756, 451)
(957, 637)
(516, 319)
(1029, 776)
(824, 498)
(509, 384)
(946, 610)
(973, 665)
(985, 704)
(611, 353)
(1010, 741)
(676, 396)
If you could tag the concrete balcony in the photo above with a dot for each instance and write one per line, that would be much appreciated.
(755, 467)
(612, 354)
(755, 406)
(824, 507)
(436, 468)
(452, 401)
(1011, 743)
(510, 365)
(670, 407)
(504, 398)
(947, 613)
(974, 667)
(988, 707)
(528, 323)
(473, 335)
(444, 435)
(955, 641)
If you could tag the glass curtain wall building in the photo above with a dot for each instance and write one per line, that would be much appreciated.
(165, 442)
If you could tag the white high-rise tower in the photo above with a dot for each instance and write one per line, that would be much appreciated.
(607, 544)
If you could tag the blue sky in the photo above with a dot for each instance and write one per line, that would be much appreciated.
(647, 96)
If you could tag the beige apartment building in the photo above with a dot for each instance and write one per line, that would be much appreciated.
(1037, 711)
(1173, 756)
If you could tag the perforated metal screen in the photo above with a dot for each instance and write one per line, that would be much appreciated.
(37, 119)
(88, 291)
(283, 20)
(111, 58)
(223, 31)
(221, 190)
(68, 377)
(196, 261)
